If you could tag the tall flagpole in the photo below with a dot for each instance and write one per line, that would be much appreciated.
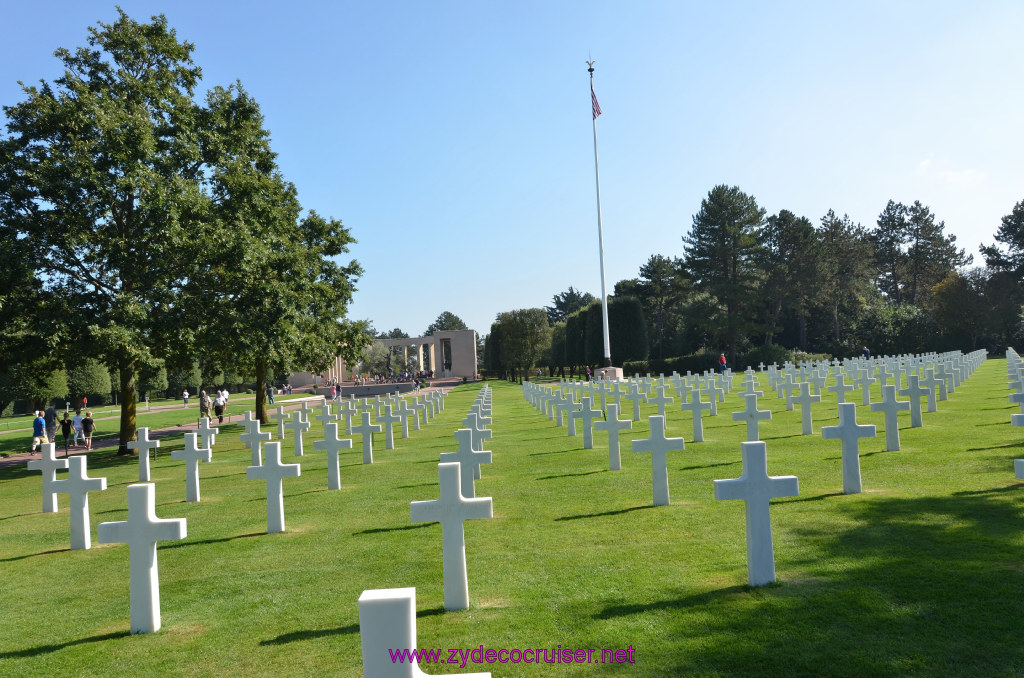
(600, 230)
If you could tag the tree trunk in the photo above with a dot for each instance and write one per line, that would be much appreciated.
(261, 392)
(803, 333)
(126, 371)
(835, 321)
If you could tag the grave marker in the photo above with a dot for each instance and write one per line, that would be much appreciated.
(78, 486)
(49, 464)
(144, 445)
(332, 445)
(849, 432)
(366, 430)
(469, 460)
(752, 416)
(297, 426)
(192, 455)
(274, 473)
(659, 446)
(613, 425)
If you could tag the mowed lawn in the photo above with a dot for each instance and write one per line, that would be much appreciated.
(920, 575)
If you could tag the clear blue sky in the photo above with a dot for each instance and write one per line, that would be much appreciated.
(454, 139)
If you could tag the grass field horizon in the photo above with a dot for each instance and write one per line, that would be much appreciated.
(921, 575)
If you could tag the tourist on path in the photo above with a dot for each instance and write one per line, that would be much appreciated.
(184, 396)
(866, 353)
(721, 363)
(204, 405)
(76, 422)
(88, 426)
(270, 394)
(218, 407)
(38, 431)
(50, 416)
(66, 427)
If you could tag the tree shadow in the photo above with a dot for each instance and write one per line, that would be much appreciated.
(219, 540)
(538, 454)
(686, 602)
(310, 635)
(46, 649)
(721, 463)
(407, 487)
(817, 497)
(995, 447)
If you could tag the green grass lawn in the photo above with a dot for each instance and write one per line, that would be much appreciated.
(920, 575)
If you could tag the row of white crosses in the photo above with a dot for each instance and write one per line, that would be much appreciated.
(458, 501)
(1015, 376)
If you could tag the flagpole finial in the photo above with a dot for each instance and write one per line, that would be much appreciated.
(591, 65)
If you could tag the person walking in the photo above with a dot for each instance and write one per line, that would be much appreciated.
(88, 426)
(270, 394)
(721, 363)
(184, 396)
(50, 416)
(76, 423)
(66, 427)
(204, 405)
(218, 407)
(38, 431)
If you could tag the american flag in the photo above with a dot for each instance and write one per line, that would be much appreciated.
(593, 99)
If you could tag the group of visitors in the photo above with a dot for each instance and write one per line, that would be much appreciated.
(219, 402)
(44, 429)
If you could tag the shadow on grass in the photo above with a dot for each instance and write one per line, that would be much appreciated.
(794, 435)
(378, 530)
(46, 649)
(995, 447)
(406, 487)
(817, 497)
(20, 515)
(605, 513)
(32, 555)
(872, 601)
(310, 635)
(721, 463)
(537, 454)
(299, 494)
(184, 544)
(1016, 487)
(572, 475)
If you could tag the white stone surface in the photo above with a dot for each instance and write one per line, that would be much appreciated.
(254, 438)
(49, 464)
(332, 445)
(587, 416)
(1018, 464)
(387, 622)
(207, 435)
(405, 412)
(849, 432)
(279, 417)
(366, 430)
(451, 510)
(141, 532)
(659, 446)
(915, 392)
(613, 425)
(192, 455)
(297, 425)
(480, 434)
(387, 420)
(143, 445)
(804, 400)
(696, 407)
(346, 410)
(274, 473)
(469, 460)
(659, 399)
(752, 416)
(891, 408)
(77, 486)
(756, 488)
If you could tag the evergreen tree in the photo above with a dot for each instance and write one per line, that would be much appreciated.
(789, 263)
(889, 238)
(1011, 235)
(846, 269)
(719, 258)
(931, 254)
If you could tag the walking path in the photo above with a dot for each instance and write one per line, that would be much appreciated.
(113, 441)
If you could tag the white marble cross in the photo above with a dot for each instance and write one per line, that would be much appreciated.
(332, 446)
(347, 410)
(451, 510)
(366, 429)
(274, 472)
(757, 489)
(864, 379)
(141, 532)
(804, 400)
(752, 416)
(387, 420)
(660, 400)
(613, 425)
(49, 464)
(325, 416)
(297, 426)
(891, 407)
(469, 459)
(931, 382)
(710, 389)
(305, 410)
(77, 486)
(480, 434)
(696, 407)
(404, 411)
(915, 392)
(841, 388)
(587, 415)
(659, 446)
(387, 622)
(253, 438)
(143, 445)
(636, 397)
(207, 435)
(849, 431)
(786, 388)
(192, 455)
(280, 418)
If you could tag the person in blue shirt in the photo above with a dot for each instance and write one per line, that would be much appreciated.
(38, 431)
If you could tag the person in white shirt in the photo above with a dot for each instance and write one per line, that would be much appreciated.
(76, 422)
(218, 407)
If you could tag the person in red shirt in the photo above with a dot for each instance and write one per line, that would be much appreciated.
(721, 363)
